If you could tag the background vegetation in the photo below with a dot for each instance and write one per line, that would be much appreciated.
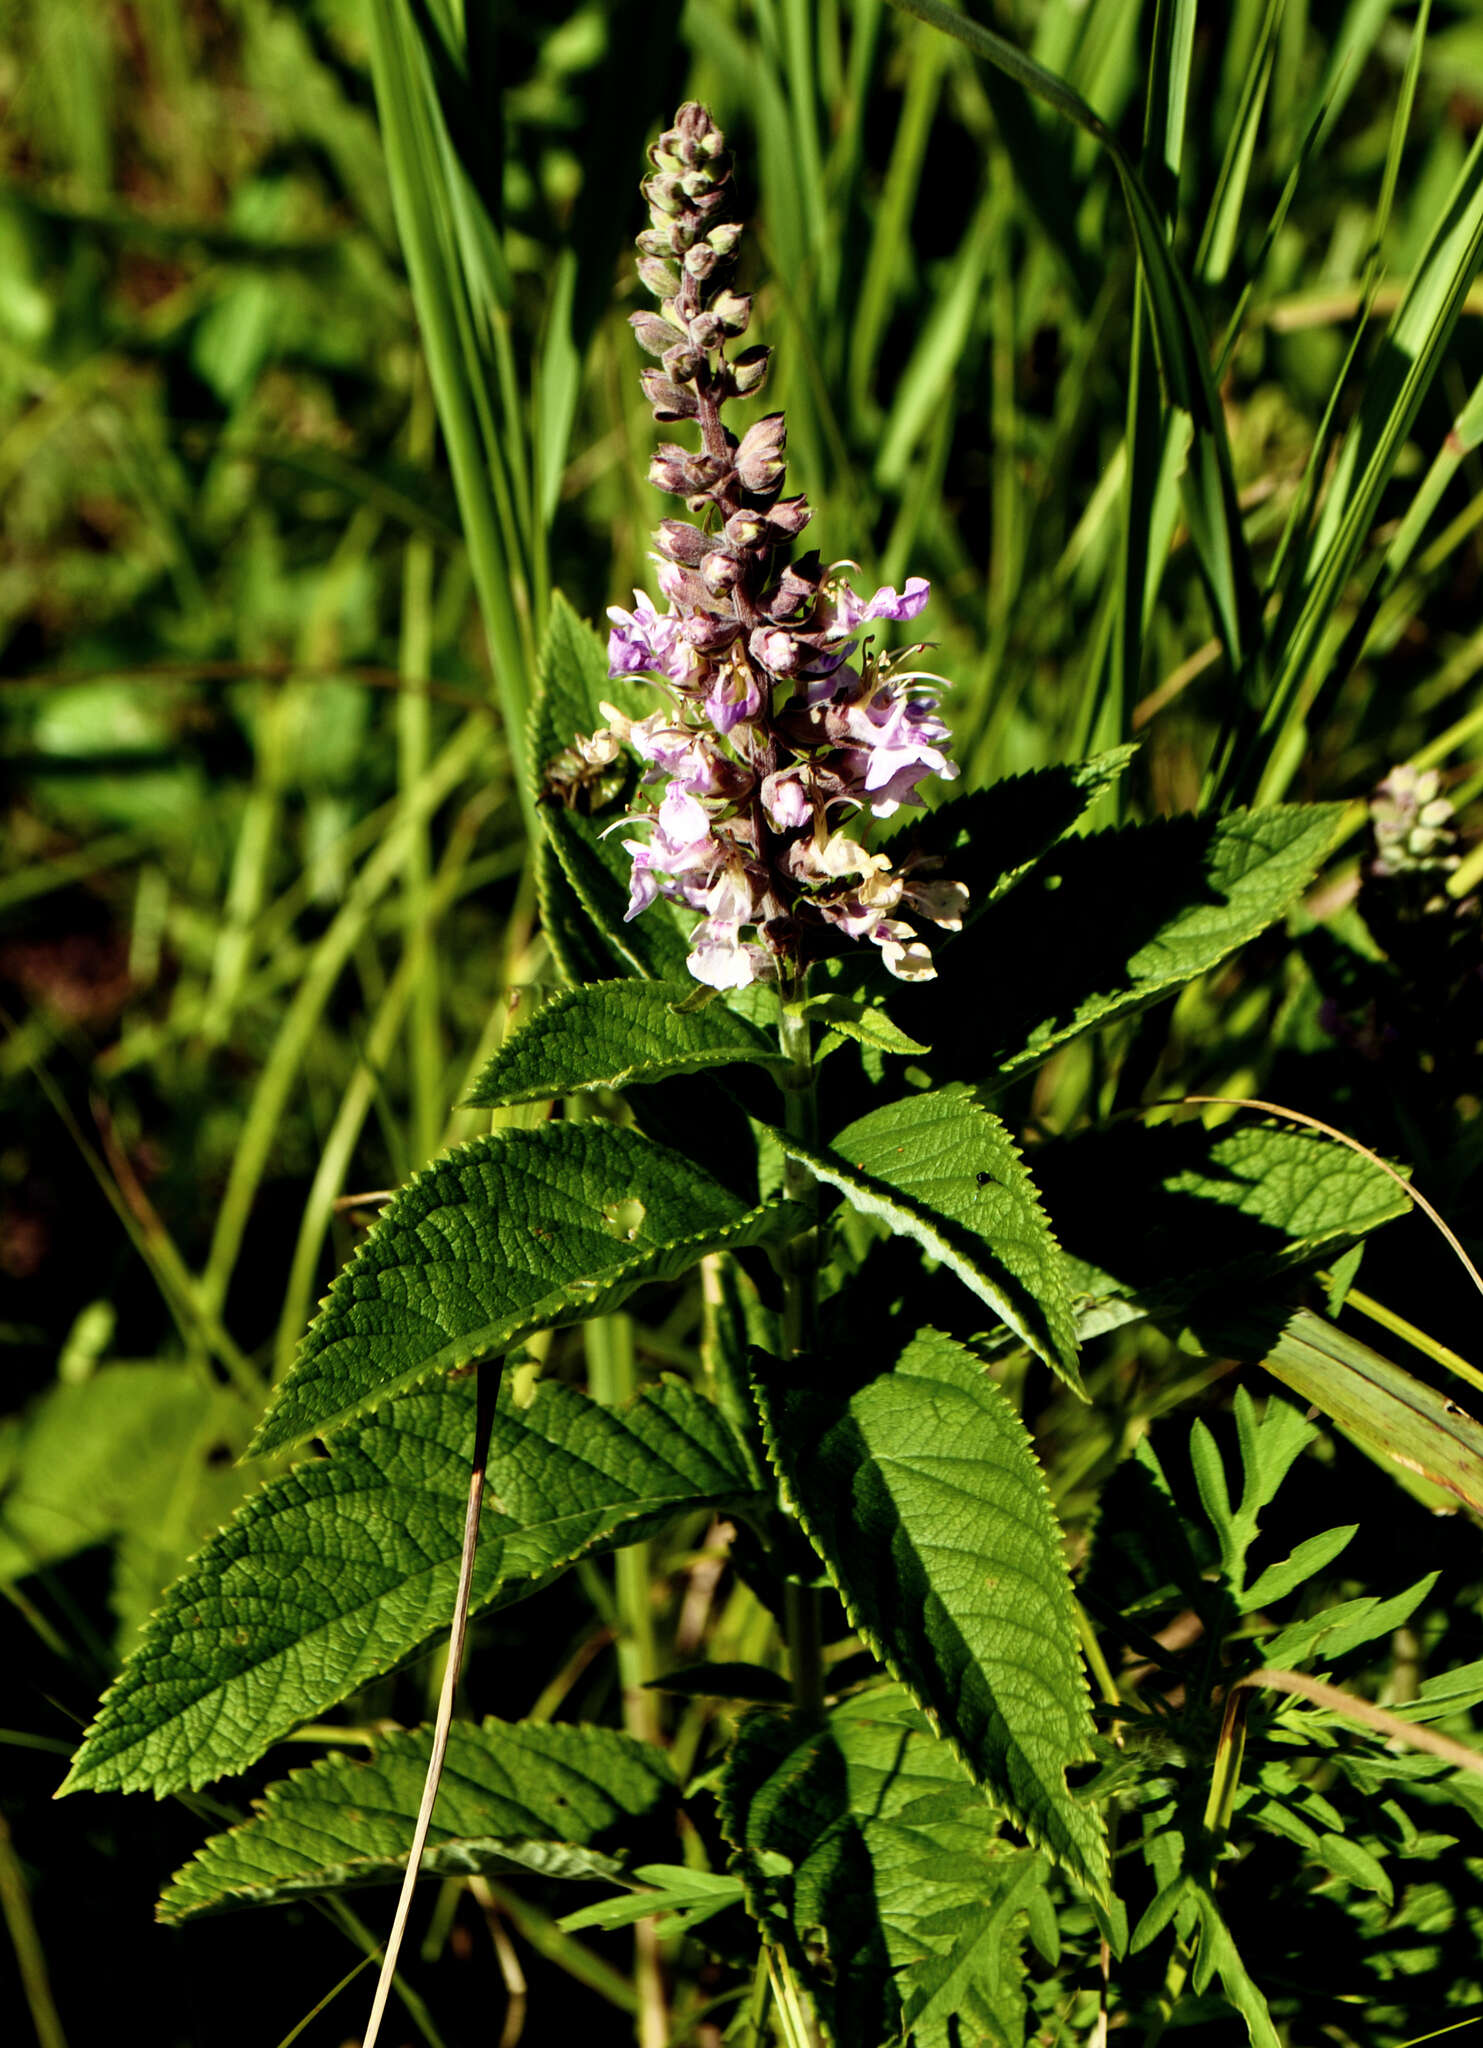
(274, 564)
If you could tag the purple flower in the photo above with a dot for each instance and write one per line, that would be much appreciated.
(641, 641)
(768, 733)
(847, 611)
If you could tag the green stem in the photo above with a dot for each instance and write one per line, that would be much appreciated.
(614, 1378)
(800, 1260)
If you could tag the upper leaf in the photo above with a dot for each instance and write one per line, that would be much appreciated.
(992, 837)
(612, 1034)
(346, 1566)
(942, 1169)
(1107, 923)
(893, 1859)
(514, 1232)
(574, 683)
(555, 1800)
(919, 1488)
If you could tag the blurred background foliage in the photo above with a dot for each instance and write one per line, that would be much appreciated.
(274, 568)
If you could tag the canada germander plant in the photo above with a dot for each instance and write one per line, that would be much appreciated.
(803, 966)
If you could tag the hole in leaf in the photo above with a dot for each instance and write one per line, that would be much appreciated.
(625, 1218)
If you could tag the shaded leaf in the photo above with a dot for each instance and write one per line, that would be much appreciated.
(346, 1566)
(613, 1034)
(552, 1800)
(514, 1232)
(679, 1896)
(1156, 1218)
(919, 1488)
(867, 1835)
(1107, 923)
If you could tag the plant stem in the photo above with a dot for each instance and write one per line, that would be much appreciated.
(610, 1359)
(802, 1620)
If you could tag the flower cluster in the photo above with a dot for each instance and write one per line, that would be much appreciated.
(772, 735)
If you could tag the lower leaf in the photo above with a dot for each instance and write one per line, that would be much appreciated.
(551, 1800)
(866, 1839)
(345, 1567)
(920, 1490)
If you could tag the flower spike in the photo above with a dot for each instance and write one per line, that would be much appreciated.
(769, 738)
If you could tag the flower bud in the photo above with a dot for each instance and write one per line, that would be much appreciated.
(724, 236)
(744, 373)
(673, 239)
(665, 194)
(720, 572)
(682, 542)
(745, 530)
(759, 459)
(787, 519)
(662, 279)
(700, 260)
(653, 334)
(732, 309)
(775, 648)
(670, 401)
(681, 361)
(710, 632)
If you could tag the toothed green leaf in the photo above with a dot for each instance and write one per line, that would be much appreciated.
(614, 1034)
(346, 1566)
(516, 1232)
(549, 1800)
(919, 1488)
(867, 1836)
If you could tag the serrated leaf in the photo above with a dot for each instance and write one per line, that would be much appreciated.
(574, 941)
(574, 683)
(514, 1232)
(854, 1018)
(867, 1834)
(614, 1034)
(346, 1566)
(919, 1488)
(943, 1170)
(1108, 923)
(991, 838)
(1154, 1218)
(547, 1799)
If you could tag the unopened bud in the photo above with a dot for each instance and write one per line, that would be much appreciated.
(673, 239)
(682, 542)
(720, 572)
(744, 529)
(665, 193)
(670, 401)
(662, 279)
(788, 518)
(701, 259)
(732, 309)
(775, 649)
(653, 334)
(759, 459)
(724, 236)
(681, 361)
(747, 371)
